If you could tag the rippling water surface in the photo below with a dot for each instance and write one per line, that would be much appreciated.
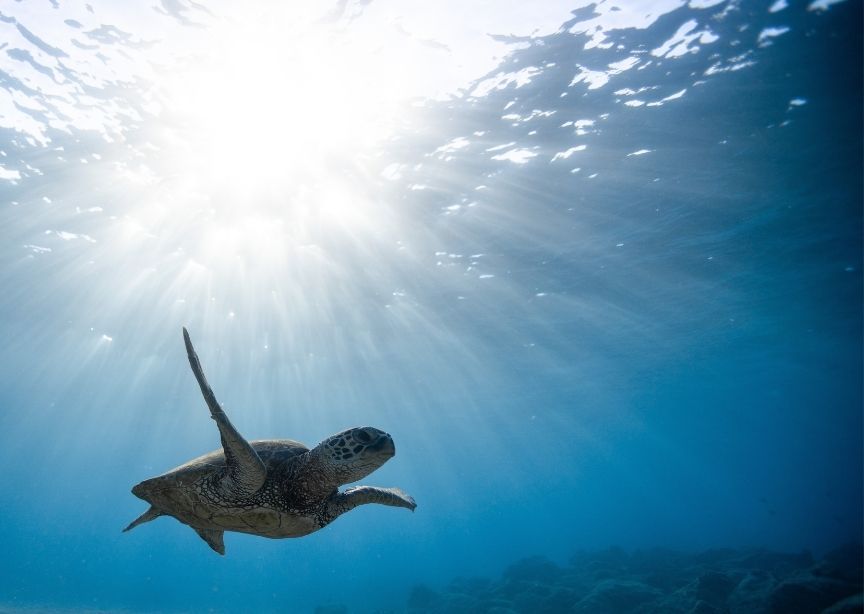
(595, 266)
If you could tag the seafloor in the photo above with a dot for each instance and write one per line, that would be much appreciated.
(656, 582)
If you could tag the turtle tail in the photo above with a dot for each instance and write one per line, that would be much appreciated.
(145, 517)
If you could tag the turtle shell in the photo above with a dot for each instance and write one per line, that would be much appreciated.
(178, 492)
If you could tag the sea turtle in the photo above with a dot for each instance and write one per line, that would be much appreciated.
(273, 487)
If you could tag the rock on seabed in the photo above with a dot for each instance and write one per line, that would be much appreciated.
(614, 581)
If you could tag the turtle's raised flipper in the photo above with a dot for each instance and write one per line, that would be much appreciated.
(244, 472)
(213, 538)
(145, 517)
(361, 495)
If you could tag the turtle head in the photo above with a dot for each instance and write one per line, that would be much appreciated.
(355, 453)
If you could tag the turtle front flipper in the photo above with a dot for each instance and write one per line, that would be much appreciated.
(360, 495)
(244, 472)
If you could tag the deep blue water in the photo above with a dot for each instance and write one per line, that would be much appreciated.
(660, 349)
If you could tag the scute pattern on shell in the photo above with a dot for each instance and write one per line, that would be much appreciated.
(190, 494)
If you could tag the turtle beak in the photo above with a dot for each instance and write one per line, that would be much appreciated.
(384, 446)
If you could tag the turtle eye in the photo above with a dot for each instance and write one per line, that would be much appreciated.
(362, 436)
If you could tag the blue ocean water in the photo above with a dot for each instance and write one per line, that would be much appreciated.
(606, 291)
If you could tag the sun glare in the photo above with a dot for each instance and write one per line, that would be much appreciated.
(275, 120)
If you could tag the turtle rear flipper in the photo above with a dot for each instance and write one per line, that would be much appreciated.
(214, 538)
(145, 517)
